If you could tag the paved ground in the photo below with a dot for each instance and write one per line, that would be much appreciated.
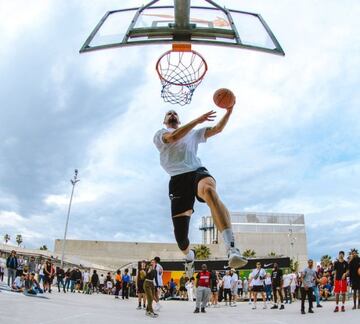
(78, 308)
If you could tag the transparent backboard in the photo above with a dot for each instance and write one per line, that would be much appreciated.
(207, 25)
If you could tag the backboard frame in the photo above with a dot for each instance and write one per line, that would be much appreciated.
(207, 36)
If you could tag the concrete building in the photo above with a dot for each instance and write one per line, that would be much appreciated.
(264, 233)
(280, 233)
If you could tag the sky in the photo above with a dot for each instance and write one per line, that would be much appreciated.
(291, 145)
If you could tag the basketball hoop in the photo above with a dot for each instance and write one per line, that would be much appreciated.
(180, 71)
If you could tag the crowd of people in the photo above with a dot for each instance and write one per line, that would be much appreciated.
(207, 288)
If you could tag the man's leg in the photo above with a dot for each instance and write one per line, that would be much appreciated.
(198, 298)
(310, 297)
(206, 190)
(303, 297)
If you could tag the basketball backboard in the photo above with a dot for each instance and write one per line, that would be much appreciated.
(208, 25)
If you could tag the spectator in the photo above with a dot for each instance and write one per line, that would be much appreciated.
(125, 284)
(60, 275)
(72, 280)
(190, 289)
(203, 289)
(86, 281)
(268, 290)
(32, 265)
(182, 289)
(117, 283)
(78, 280)
(354, 274)
(227, 287)
(11, 264)
(172, 287)
(95, 281)
(240, 288)
(67, 280)
(20, 265)
(41, 267)
(287, 278)
(341, 269)
(246, 288)
(101, 283)
(149, 287)
(214, 288)
(2, 271)
(234, 286)
(49, 274)
(31, 285)
(308, 279)
(258, 276)
(277, 286)
(140, 279)
(293, 284)
(19, 283)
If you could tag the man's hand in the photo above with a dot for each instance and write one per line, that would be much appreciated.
(209, 116)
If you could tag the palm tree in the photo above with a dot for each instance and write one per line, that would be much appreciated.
(202, 252)
(19, 239)
(6, 238)
(272, 254)
(43, 248)
(249, 253)
(325, 260)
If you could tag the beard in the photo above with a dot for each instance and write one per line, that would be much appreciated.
(173, 120)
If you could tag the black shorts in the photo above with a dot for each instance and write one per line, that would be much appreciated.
(182, 288)
(258, 288)
(214, 289)
(183, 190)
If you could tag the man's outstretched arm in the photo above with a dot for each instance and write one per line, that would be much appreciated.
(183, 130)
(211, 131)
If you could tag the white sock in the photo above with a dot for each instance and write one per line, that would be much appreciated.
(228, 237)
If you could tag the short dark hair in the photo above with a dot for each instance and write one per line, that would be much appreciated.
(342, 252)
(157, 259)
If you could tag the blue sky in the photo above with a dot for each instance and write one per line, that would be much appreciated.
(292, 144)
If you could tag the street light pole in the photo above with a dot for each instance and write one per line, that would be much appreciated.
(73, 182)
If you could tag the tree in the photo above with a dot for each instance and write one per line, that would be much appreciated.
(202, 252)
(249, 253)
(19, 239)
(6, 238)
(325, 261)
(43, 248)
(272, 254)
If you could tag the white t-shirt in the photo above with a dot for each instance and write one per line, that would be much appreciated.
(287, 279)
(86, 276)
(181, 156)
(18, 282)
(101, 280)
(227, 282)
(239, 284)
(293, 282)
(234, 280)
(246, 284)
(268, 281)
(159, 271)
(258, 273)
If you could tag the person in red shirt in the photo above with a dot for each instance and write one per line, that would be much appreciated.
(341, 269)
(202, 289)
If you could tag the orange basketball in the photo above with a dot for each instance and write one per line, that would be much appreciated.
(323, 281)
(224, 98)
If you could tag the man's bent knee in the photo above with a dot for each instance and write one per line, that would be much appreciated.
(181, 231)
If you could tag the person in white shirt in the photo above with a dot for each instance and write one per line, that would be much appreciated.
(158, 283)
(227, 287)
(245, 284)
(234, 286)
(86, 280)
(268, 286)
(258, 276)
(190, 289)
(190, 180)
(19, 283)
(293, 285)
(287, 279)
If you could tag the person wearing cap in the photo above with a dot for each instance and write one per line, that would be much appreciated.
(308, 279)
(258, 276)
(203, 289)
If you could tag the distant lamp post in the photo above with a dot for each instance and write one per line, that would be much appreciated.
(73, 182)
(292, 240)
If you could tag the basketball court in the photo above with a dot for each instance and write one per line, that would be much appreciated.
(79, 308)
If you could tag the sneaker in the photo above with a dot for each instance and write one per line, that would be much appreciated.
(336, 309)
(254, 307)
(282, 307)
(189, 263)
(354, 307)
(235, 258)
(310, 311)
(264, 307)
(139, 307)
(302, 312)
(233, 305)
(275, 307)
(203, 310)
(153, 315)
(318, 306)
(343, 308)
(196, 310)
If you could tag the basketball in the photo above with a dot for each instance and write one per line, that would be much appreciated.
(224, 98)
(323, 281)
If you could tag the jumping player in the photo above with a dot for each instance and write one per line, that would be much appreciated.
(190, 179)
